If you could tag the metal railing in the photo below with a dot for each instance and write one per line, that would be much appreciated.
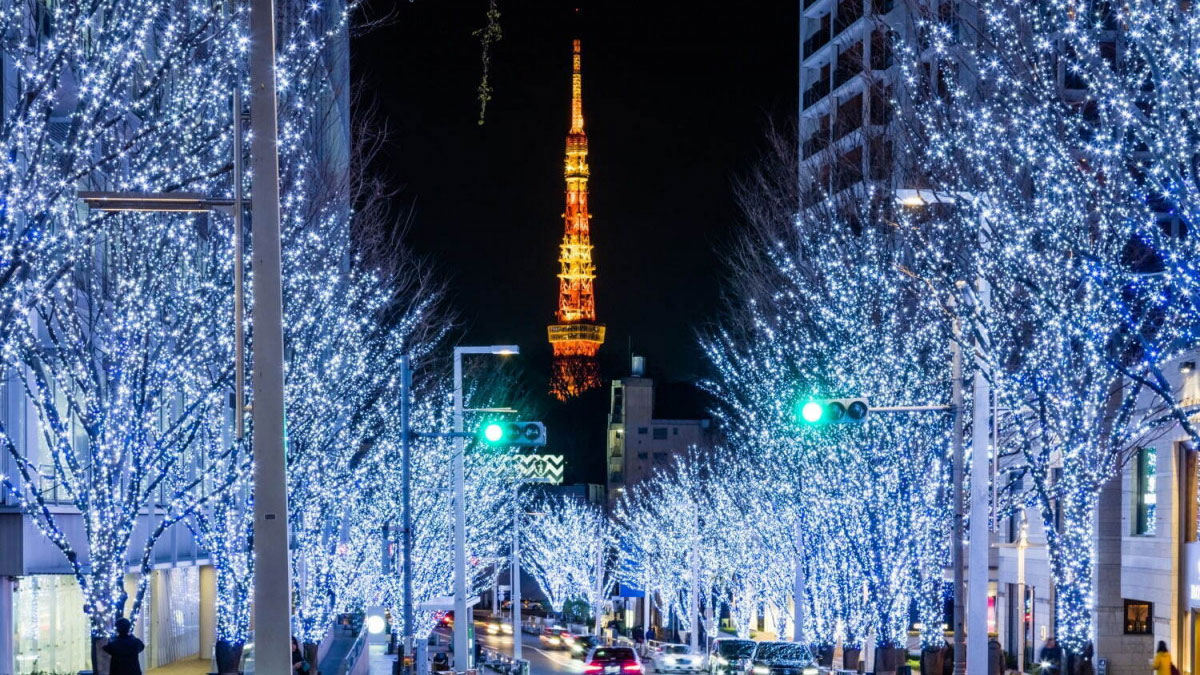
(358, 650)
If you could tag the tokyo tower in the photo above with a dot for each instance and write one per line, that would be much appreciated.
(576, 337)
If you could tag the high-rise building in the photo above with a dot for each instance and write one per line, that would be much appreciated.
(576, 337)
(846, 75)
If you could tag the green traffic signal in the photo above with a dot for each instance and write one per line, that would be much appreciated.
(493, 433)
(517, 434)
(832, 411)
(812, 412)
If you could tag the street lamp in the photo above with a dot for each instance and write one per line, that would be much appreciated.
(977, 549)
(461, 620)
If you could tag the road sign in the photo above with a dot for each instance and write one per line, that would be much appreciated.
(548, 468)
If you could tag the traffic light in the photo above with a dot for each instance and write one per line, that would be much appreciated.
(832, 410)
(520, 434)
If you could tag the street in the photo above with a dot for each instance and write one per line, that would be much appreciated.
(541, 660)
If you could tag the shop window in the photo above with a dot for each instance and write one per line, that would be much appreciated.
(1139, 617)
(1147, 486)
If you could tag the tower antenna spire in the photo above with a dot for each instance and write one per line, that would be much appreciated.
(576, 337)
(576, 91)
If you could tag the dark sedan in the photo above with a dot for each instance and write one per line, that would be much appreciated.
(781, 658)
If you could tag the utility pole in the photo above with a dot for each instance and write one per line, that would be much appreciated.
(956, 494)
(406, 498)
(515, 569)
(798, 590)
(272, 573)
(981, 469)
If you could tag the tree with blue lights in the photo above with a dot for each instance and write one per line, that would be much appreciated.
(827, 306)
(1055, 143)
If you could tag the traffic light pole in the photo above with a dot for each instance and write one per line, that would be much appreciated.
(462, 648)
(406, 498)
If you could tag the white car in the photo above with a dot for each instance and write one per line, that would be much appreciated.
(672, 658)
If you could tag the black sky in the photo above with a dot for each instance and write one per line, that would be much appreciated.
(676, 97)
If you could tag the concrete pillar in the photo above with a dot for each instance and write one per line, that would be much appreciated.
(208, 611)
(1108, 620)
(7, 626)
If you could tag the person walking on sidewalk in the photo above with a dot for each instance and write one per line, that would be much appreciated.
(124, 650)
(1162, 660)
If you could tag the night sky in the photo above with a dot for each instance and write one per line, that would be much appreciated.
(676, 97)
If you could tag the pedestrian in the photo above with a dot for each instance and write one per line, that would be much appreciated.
(947, 659)
(1051, 657)
(299, 665)
(1162, 660)
(1085, 663)
(124, 650)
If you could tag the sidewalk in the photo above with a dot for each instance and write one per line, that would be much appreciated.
(380, 661)
(182, 667)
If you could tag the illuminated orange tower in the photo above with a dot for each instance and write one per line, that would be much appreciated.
(576, 337)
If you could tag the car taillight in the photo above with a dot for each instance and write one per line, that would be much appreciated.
(631, 668)
(593, 668)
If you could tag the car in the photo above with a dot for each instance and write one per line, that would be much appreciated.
(676, 658)
(552, 637)
(612, 661)
(498, 627)
(582, 645)
(780, 658)
(729, 656)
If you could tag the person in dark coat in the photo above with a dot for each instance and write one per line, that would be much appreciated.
(299, 665)
(1051, 655)
(124, 650)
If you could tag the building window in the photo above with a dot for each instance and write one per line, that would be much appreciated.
(643, 430)
(674, 431)
(660, 433)
(1147, 485)
(660, 457)
(643, 455)
(1139, 617)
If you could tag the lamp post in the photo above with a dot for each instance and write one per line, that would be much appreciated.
(975, 659)
(514, 567)
(462, 645)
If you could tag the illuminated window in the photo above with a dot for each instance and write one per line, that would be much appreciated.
(1139, 617)
(1147, 486)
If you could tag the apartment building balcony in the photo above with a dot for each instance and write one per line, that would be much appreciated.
(818, 39)
(816, 92)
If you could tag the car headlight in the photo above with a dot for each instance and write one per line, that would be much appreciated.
(670, 660)
(810, 671)
(722, 661)
(761, 670)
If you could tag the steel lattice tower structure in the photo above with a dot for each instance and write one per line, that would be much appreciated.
(576, 337)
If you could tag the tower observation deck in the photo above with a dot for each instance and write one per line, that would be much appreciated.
(576, 337)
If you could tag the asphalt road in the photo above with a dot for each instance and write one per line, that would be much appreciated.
(541, 661)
